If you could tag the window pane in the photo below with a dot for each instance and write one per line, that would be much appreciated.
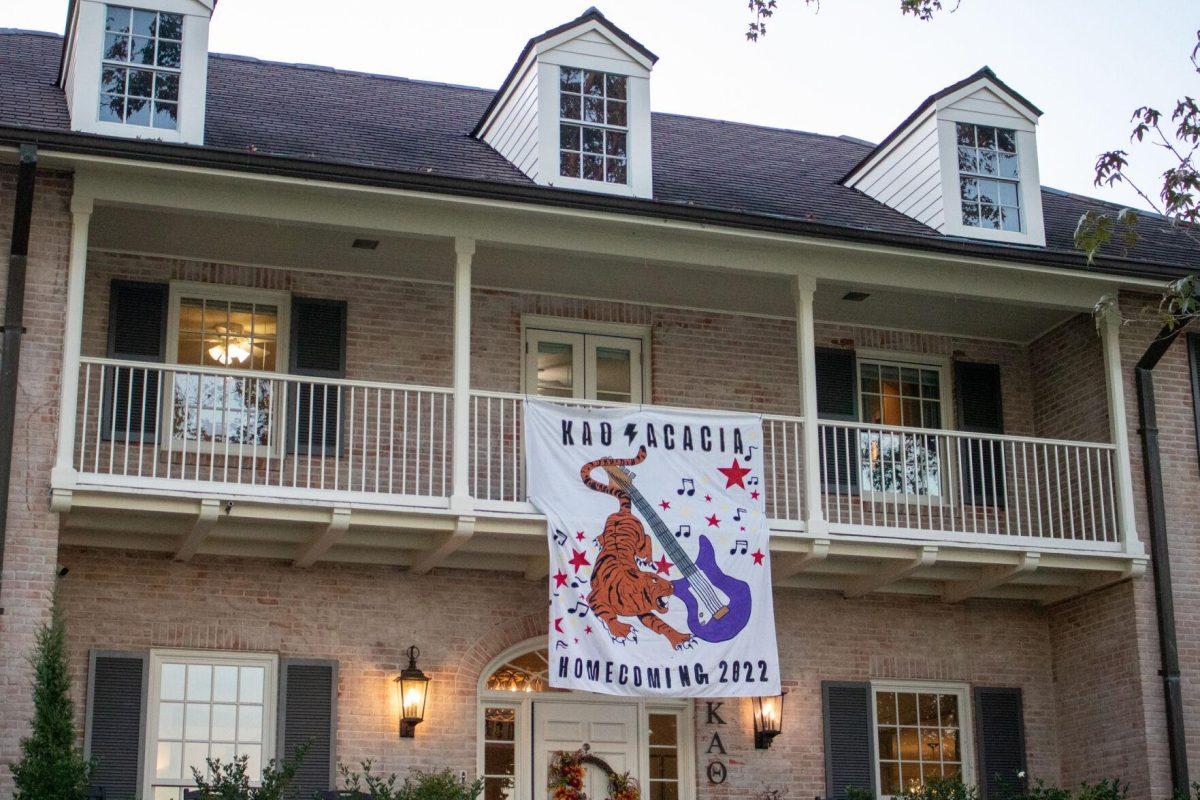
(1008, 193)
(664, 790)
(166, 86)
(614, 144)
(555, 369)
(112, 108)
(986, 137)
(927, 709)
(950, 744)
(195, 755)
(1010, 219)
(569, 137)
(593, 140)
(143, 22)
(663, 730)
(253, 761)
(498, 759)
(965, 133)
(169, 760)
(889, 745)
(616, 113)
(199, 686)
(615, 170)
(500, 724)
(663, 763)
(1008, 166)
(137, 111)
(570, 80)
(225, 753)
(985, 162)
(141, 82)
(593, 83)
(613, 374)
(225, 684)
(169, 54)
(170, 721)
(907, 708)
(1007, 140)
(966, 159)
(496, 788)
(969, 189)
(251, 687)
(570, 106)
(889, 778)
(142, 51)
(593, 168)
(970, 214)
(616, 86)
(949, 710)
(250, 724)
(112, 80)
(989, 216)
(170, 26)
(196, 725)
(171, 682)
(116, 47)
(593, 109)
(224, 723)
(569, 164)
(910, 415)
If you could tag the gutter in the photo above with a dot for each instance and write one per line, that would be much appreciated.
(204, 157)
(14, 312)
(1164, 600)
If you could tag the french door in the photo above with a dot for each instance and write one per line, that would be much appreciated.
(609, 729)
(584, 366)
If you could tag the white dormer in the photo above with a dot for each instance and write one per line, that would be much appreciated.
(964, 163)
(574, 112)
(138, 68)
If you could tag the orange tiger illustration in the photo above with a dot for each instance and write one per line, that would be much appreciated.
(620, 588)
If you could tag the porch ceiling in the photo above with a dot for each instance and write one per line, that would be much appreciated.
(242, 240)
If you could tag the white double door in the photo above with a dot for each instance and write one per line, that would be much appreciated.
(610, 729)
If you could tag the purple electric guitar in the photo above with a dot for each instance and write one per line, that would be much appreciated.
(718, 605)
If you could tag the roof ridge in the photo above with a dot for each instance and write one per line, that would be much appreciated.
(29, 32)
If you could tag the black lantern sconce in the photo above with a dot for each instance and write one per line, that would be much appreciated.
(768, 719)
(413, 688)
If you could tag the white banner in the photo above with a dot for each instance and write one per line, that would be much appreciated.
(660, 573)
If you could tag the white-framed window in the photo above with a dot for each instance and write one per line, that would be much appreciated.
(587, 361)
(140, 72)
(922, 731)
(664, 726)
(989, 176)
(900, 394)
(231, 330)
(593, 125)
(207, 705)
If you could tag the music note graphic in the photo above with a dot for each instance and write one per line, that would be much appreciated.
(687, 486)
(560, 537)
(579, 579)
(740, 543)
(685, 531)
(752, 481)
(580, 609)
(560, 645)
(750, 452)
(738, 516)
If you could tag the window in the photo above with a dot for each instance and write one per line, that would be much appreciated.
(664, 756)
(499, 751)
(594, 125)
(989, 177)
(139, 77)
(587, 366)
(922, 732)
(205, 706)
(896, 394)
(232, 330)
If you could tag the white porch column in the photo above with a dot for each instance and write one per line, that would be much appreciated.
(1110, 330)
(460, 494)
(63, 474)
(806, 350)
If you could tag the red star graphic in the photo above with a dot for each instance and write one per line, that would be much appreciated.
(588, 629)
(758, 556)
(579, 535)
(558, 624)
(735, 474)
(713, 522)
(665, 505)
(576, 641)
(708, 498)
(560, 579)
(742, 528)
(579, 560)
(662, 566)
(754, 495)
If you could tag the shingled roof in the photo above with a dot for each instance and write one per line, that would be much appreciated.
(359, 120)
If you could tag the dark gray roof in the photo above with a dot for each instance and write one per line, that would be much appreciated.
(359, 120)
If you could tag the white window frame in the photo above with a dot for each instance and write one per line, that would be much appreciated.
(282, 300)
(999, 179)
(269, 661)
(585, 337)
(946, 409)
(966, 728)
(129, 65)
(605, 126)
(523, 787)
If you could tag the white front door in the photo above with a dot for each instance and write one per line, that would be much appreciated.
(611, 729)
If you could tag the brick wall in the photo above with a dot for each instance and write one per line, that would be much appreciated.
(1067, 371)
(367, 616)
(30, 553)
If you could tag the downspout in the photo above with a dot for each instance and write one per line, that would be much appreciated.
(1164, 601)
(14, 313)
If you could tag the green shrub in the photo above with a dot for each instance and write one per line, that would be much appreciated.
(941, 789)
(419, 785)
(231, 781)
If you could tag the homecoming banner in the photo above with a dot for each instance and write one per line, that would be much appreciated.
(660, 574)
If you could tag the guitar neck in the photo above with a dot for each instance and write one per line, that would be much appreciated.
(662, 533)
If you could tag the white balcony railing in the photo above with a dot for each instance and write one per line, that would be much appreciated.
(967, 484)
(141, 425)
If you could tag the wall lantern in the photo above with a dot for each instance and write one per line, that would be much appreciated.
(768, 719)
(413, 688)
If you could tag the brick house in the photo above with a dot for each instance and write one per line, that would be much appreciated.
(280, 322)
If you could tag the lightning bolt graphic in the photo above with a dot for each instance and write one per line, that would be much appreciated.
(631, 432)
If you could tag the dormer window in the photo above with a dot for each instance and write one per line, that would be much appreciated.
(142, 60)
(989, 177)
(594, 125)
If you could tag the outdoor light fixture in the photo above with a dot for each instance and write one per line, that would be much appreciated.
(413, 688)
(768, 719)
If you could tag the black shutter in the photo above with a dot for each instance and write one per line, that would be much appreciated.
(318, 349)
(980, 407)
(1193, 340)
(837, 398)
(115, 722)
(849, 740)
(308, 714)
(137, 331)
(1000, 730)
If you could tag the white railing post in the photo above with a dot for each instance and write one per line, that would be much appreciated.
(804, 286)
(1110, 330)
(63, 474)
(460, 494)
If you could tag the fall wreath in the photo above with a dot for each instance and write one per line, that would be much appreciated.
(566, 777)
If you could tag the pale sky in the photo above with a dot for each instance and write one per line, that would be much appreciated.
(853, 67)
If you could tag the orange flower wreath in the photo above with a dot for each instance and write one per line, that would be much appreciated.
(566, 777)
